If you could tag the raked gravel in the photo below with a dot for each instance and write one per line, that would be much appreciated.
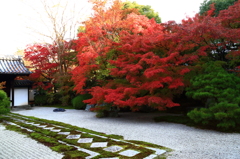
(17, 146)
(187, 142)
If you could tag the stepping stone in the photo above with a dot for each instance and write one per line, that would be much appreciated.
(29, 130)
(157, 151)
(129, 153)
(110, 158)
(64, 133)
(48, 128)
(85, 140)
(113, 148)
(55, 130)
(151, 156)
(36, 124)
(73, 136)
(42, 126)
(12, 123)
(30, 123)
(20, 120)
(99, 144)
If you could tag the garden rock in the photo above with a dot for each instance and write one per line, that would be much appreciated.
(59, 110)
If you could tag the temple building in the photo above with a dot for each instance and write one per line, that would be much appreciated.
(18, 91)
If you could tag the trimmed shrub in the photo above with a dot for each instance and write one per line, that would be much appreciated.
(223, 115)
(78, 103)
(40, 99)
(4, 103)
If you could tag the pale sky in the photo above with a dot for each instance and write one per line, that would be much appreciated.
(17, 16)
(173, 9)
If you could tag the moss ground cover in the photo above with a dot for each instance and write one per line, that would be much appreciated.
(51, 134)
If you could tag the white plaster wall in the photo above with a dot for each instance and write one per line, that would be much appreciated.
(20, 96)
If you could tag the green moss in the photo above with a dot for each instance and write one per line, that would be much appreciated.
(119, 137)
(13, 128)
(104, 154)
(84, 145)
(75, 155)
(147, 144)
(49, 141)
(95, 138)
(160, 157)
(62, 148)
(69, 141)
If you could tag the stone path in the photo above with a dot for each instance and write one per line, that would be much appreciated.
(85, 142)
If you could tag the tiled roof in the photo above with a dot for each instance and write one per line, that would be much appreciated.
(23, 83)
(12, 65)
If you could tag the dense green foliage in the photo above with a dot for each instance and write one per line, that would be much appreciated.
(219, 5)
(40, 99)
(220, 92)
(4, 103)
(106, 110)
(224, 115)
(78, 103)
(53, 98)
(64, 87)
(215, 85)
(143, 9)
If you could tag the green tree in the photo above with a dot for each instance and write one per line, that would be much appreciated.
(215, 84)
(220, 92)
(143, 10)
(219, 5)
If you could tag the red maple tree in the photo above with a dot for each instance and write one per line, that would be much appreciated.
(142, 71)
(230, 19)
(45, 64)
(42, 61)
(146, 62)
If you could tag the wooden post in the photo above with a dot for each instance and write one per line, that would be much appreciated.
(12, 89)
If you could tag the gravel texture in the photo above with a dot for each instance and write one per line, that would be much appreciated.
(187, 142)
(17, 146)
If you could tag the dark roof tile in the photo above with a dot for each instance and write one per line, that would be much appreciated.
(23, 83)
(12, 65)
